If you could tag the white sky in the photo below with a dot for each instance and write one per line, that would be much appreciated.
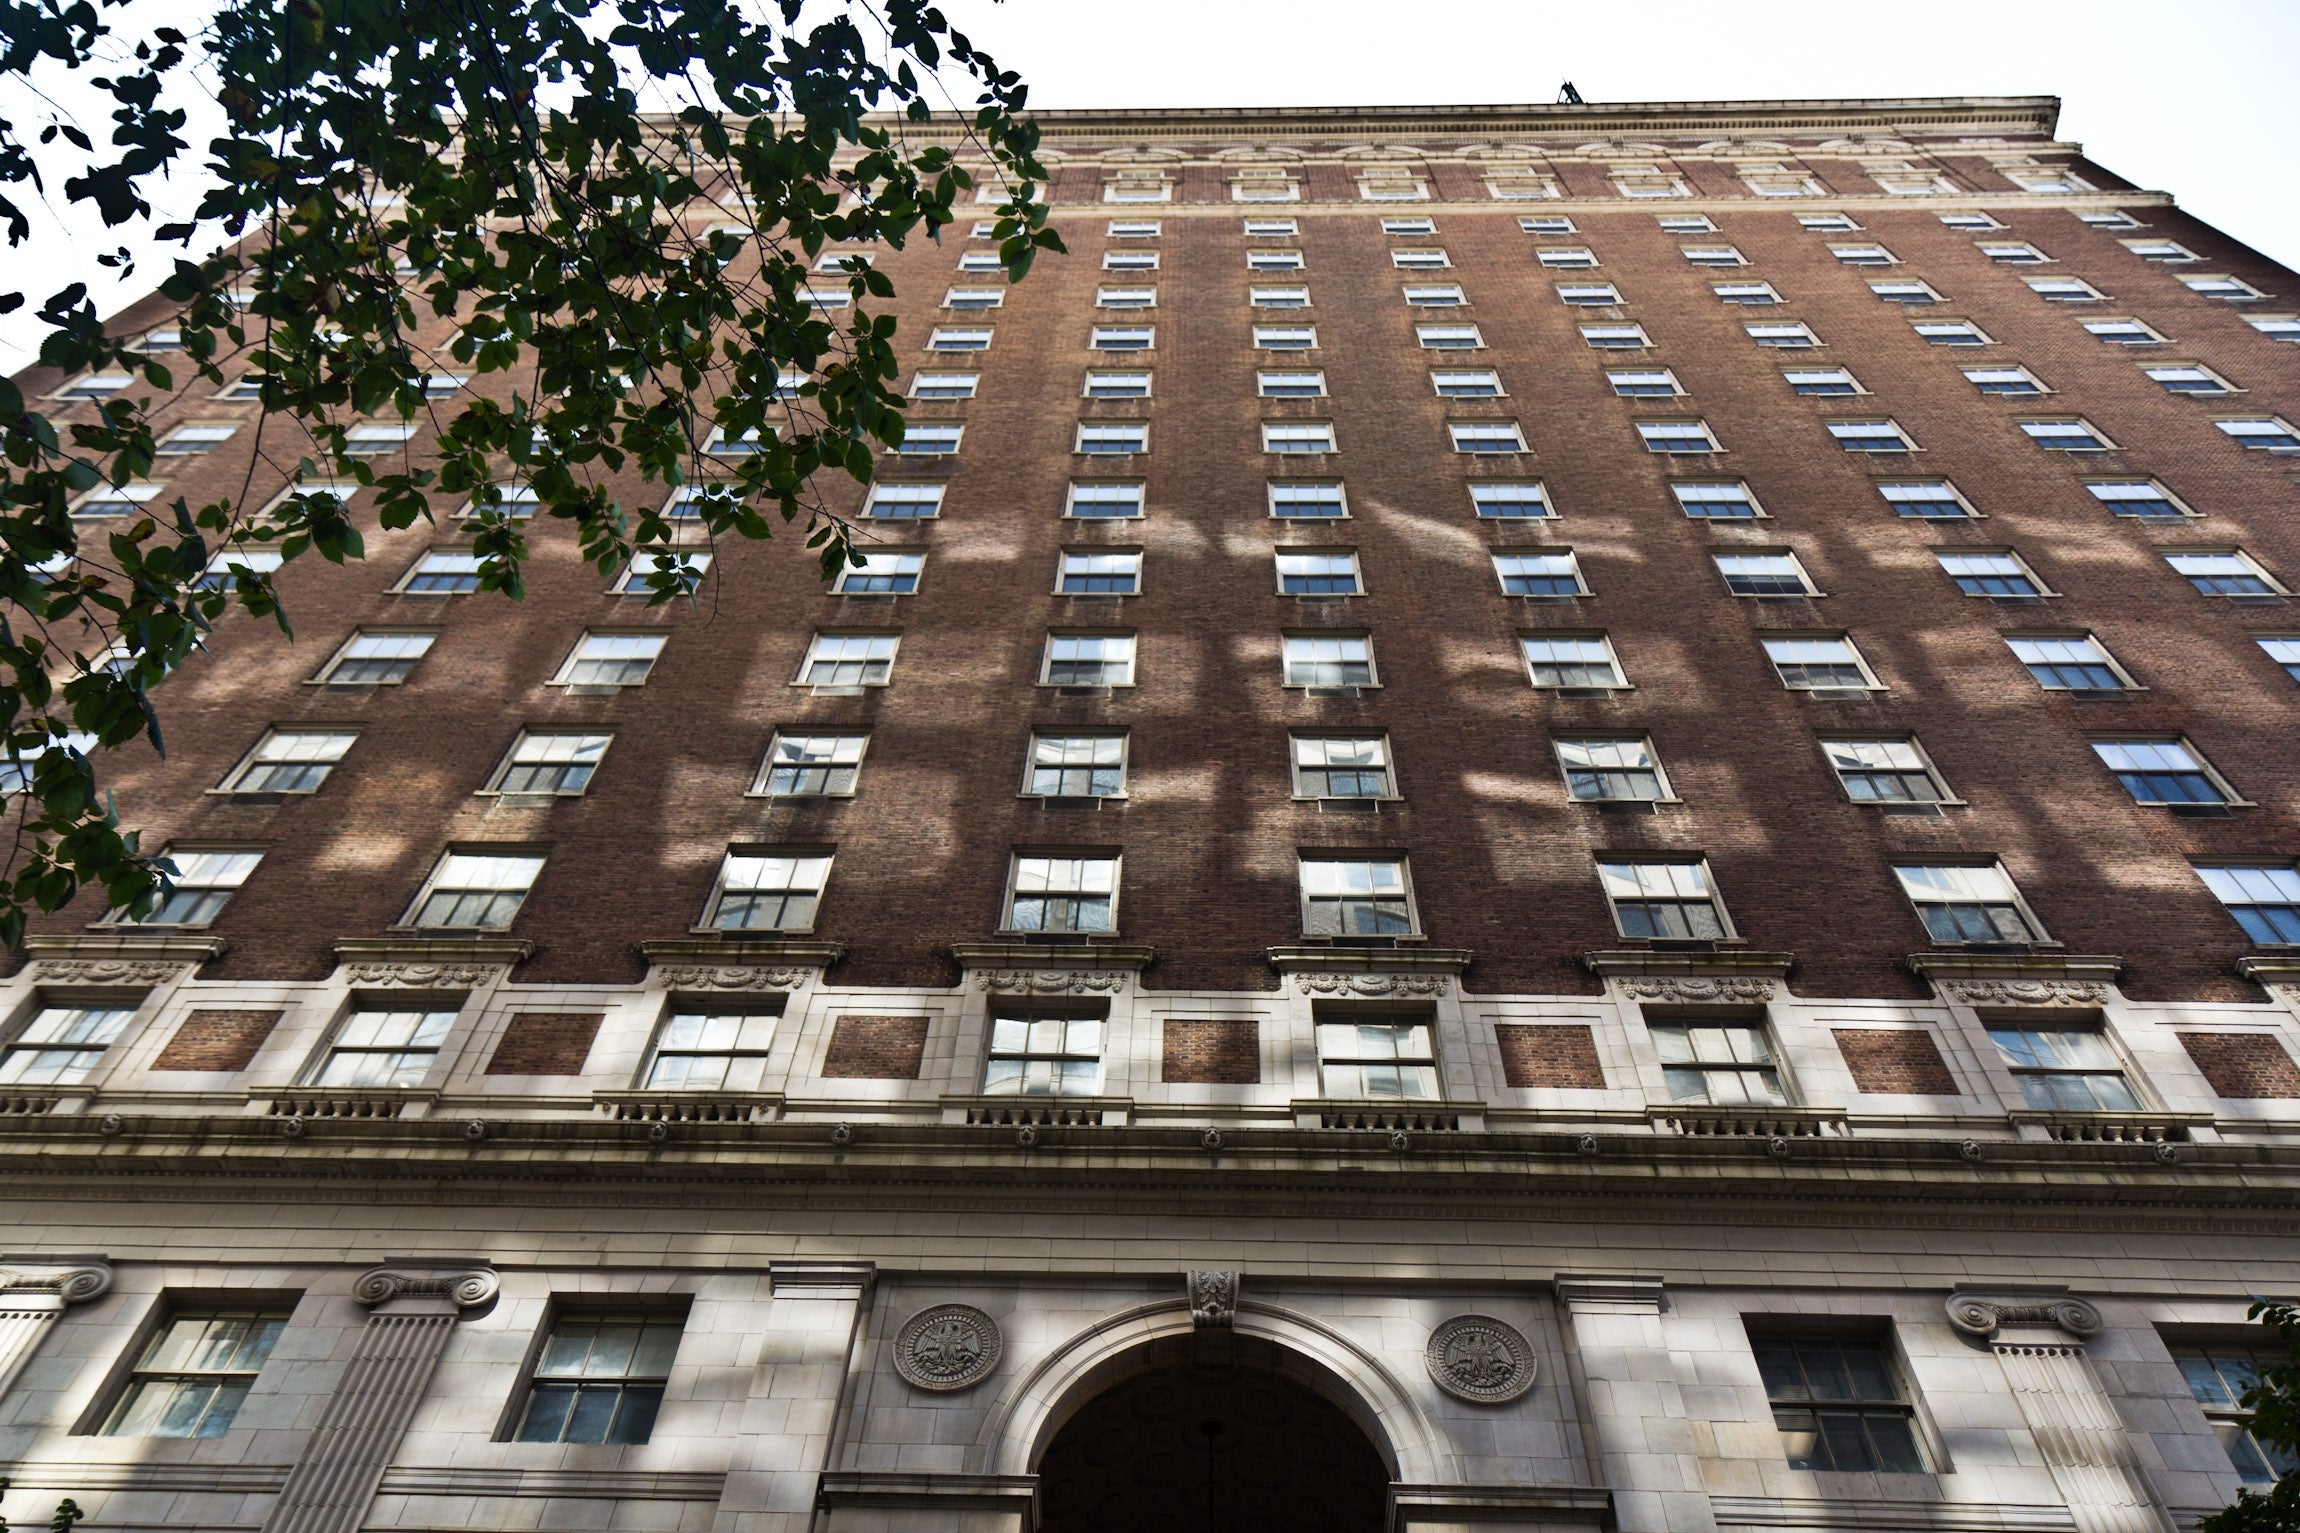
(2194, 97)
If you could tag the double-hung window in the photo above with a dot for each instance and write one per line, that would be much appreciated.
(1109, 438)
(1063, 892)
(377, 659)
(1785, 337)
(1716, 501)
(2069, 662)
(1997, 573)
(2284, 327)
(2224, 572)
(2190, 380)
(1837, 1405)
(958, 338)
(1905, 290)
(1420, 260)
(2226, 289)
(1273, 260)
(1104, 500)
(2264, 898)
(2284, 649)
(201, 886)
(1550, 224)
(383, 1048)
(2162, 771)
(117, 500)
(2064, 1069)
(768, 889)
(1465, 384)
(1540, 573)
(1615, 337)
(1099, 572)
(1886, 771)
(2065, 289)
(371, 439)
(1966, 902)
(904, 502)
(1089, 660)
(1572, 661)
(2261, 433)
(1715, 256)
(1356, 895)
(1298, 436)
(2168, 251)
(1769, 574)
(1305, 501)
(974, 299)
(1279, 297)
(1750, 294)
(1116, 385)
(1076, 766)
(1514, 500)
(1290, 385)
(1328, 660)
(2118, 220)
(1970, 223)
(475, 890)
(600, 1379)
(2218, 1377)
(1382, 1058)
(1566, 257)
(1325, 572)
(1486, 436)
(1671, 899)
(1589, 295)
(1342, 766)
(943, 385)
(1425, 228)
(1121, 260)
(1611, 770)
(1644, 383)
(1434, 295)
(291, 761)
(811, 765)
(849, 660)
(442, 572)
(611, 660)
(2143, 498)
(1951, 332)
(1934, 500)
(1272, 228)
(930, 439)
(62, 1045)
(2005, 382)
(1727, 1064)
(1304, 338)
(195, 1373)
(556, 761)
(1822, 382)
(1123, 337)
(2066, 435)
(1827, 223)
(1883, 436)
(2012, 253)
(2123, 332)
(1677, 436)
(1819, 663)
(676, 565)
(1864, 255)
(881, 573)
(1034, 1053)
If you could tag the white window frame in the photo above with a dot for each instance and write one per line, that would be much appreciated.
(1088, 882)
(907, 493)
(1517, 489)
(845, 754)
(1090, 434)
(1868, 682)
(809, 875)
(502, 852)
(1339, 498)
(588, 749)
(1095, 487)
(1616, 897)
(1796, 567)
(1118, 378)
(1287, 659)
(1062, 571)
(274, 749)
(1316, 892)
(1286, 338)
(1123, 667)
(1276, 433)
(1472, 445)
(1604, 642)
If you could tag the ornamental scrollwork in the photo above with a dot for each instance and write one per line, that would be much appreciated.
(436, 976)
(1052, 981)
(464, 1287)
(1696, 989)
(74, 1284)
(1481, 1359)
(735, 976)
(108, 971)
(1373, 984)
(948, 1347)
(1982, 1316)
(2023, 992)
(1213, 1299)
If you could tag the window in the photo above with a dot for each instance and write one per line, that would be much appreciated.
(1905, 290)
(1424, 227)
(1272, 228)
(1279, 297)
(2066, 436)
(17, 762)
(2261, 433)
(442, 573)
(1486, 436)
(2225, 572)
(1903, 180)
(1297, 436)
(2064, 290)
(2012, 253)
(2284, 328)
(1328, 660)
(830, 298)
(1032, 1054)
(376, 659)
(1884, 771)
(1822, 382)
(1728, 501)
(1332, 573)
(1573, 661)
(1274, 260)
(95, 386)
(2064, 1069)
(2227, 289)
(188, 441)
(1089, 660)
(1714, 255)
(1119, 260)
(1670, 900)
(2162, 772)
(600, 1379)
(1099, 572)
(1513, 184)
(383, 1048)
(2160, 250)
(1870, 436)
(1615, 337)
(2005, 382)
(771, 889)
(2188, 380)
(1764, 574)
(2218, 1376)
(479, 891)
(1685, 223)
(921, 440)
(1612, 771)
(611, 660)
(2069, 663)
(1125, 298)
(2042, 178)
(1566, 257)
(290, 761)
(1644, 383)
(1392, 188)
(2123, 332)
(1063, 893)
(1380, 1058)
(1545, 225)
(2263, 897)
(974, 298)
(1290, 338)
(194, 1374)
(944, 385)
(2137, 497)
(1342, 766)
(1926, 499)
(1123, 337)
(228, 568)
(1523, 500)
(1141, 187)
(1434, 296)
(62, 1045)
(1465, 385)
(1290, 385)
(1676, 436)
(2109, 220)
(948, 338)
(741, 443)
(1308, 502)
(1973, 223)
(1782, 337)
(849, 660)
(1864, 255)
(811, 766)
(370, 440)
(903, 502)
(1076, 766)
(1595, 295)
(1112, 437)
(121, 500)
(1103, 500)
(1654, 184)
(1836, 1405)
(1264, 186)
(517, 502)
(202, 885)
(1827, 223)
(1133, 229)
(1346, 896)
(1962, 903)
(2284, 651)
(1952, 332)
(1117, 386)
(1547, 573)
(969, 261)
(1448, 337)
(1420, 260)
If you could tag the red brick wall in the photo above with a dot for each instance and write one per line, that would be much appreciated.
(217, 1040)
(2243, 1065)
(1898, 1061)
(1549, 1054)
(545, 1043)
(876, 1048)
(1203, 1052)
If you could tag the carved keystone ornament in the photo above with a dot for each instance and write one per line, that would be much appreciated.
(1479, 1358)
(1213, 1298)
(951, 1346)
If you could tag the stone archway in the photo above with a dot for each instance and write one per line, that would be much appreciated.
(1211, 1432)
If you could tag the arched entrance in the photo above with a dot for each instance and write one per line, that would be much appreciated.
(1211, 1433)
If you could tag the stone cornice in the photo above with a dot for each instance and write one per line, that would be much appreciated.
(2271, 969)
(2019, 979)
(151, 947)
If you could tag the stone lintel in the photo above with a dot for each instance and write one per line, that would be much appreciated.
(1371, 960)
(785, 952)
(951, 1492)
(976, 956)
(127, 946)
(1640, 962)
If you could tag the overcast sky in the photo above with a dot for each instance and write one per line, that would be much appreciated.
(2195, 97)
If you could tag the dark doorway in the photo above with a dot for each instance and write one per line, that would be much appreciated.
(1212, 1437)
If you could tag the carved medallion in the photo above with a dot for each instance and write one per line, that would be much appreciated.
(1476, 1357)
(951, 1346)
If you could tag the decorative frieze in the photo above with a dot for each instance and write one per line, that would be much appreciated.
(735, 976)
(948, 1347)
(428, 976)
(1388, 986)
(1051, 981)
(1213, 1298)
(1697, 989)
(1479, 1358)
(2022, 992)
(142, 973)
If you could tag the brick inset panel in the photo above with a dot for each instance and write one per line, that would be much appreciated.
(1549, 1054)
(1203, 1052)
(218, 1040)
(2240, 1065)
(876, 1049)
(1895, 1061)
(545, 1043)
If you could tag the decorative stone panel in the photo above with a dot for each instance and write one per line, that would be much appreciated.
(1895, 1061)
(2243, 1066)
(952, 1346)
(1208, 1052)
(1549, 1054)
(1479, 1358)
(218, 1040)
(876, 1048)
(545, 1043)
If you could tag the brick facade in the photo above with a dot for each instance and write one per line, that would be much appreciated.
(2243, 1066)
(1895, 1061)
(217, 1040)
(875, 1048)
(545, 1043)
(1211, 1053)
(1554, 1054)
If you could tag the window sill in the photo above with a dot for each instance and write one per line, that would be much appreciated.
(1083, 801)
(260, 797)
(800, 798)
